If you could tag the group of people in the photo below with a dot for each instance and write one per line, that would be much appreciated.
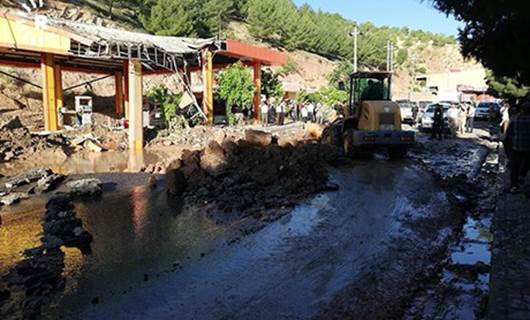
(273, 111)
(460, 120)
(515, 127)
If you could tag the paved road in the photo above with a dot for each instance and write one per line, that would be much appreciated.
(292, 269)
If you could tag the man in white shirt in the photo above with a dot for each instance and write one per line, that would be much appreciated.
(311, 112)
(452, 116)
(264, 112)
(304, 113)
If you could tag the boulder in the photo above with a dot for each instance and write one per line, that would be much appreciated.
(314, 130)
(48, 183)
(85, 187)
(13, 198)
(259, 138)
(213, 159)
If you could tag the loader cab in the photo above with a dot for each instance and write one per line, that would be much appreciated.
(368, 86)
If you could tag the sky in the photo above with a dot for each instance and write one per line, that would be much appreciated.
(414, 14)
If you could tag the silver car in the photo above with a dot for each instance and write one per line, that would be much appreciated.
(427, 120)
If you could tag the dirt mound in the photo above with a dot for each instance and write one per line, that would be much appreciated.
(249, 179)
(197, 137)
(16, 141)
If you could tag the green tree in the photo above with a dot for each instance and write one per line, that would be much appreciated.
(506, 87)
(330, 96)
(236, 88)
(271, 86)
(495, 32)
(172, 18)
(341, 73)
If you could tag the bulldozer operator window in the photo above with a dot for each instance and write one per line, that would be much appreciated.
(371, 89)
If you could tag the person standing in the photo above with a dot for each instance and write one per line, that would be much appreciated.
(264, 112)
(470, 120)
(453, 115)
(462, 118)
(305, 113)
(310, 111)
(280, 113)
(438, 123)
(505, 118)
(518, 133)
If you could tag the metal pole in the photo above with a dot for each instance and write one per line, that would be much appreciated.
(355, 34)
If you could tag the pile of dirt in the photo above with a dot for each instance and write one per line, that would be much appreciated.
(252, 176)
(197, 137)
(17, 142)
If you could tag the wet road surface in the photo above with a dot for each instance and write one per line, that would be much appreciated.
(150, 262)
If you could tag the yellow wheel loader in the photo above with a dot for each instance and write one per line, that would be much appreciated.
(372, 119)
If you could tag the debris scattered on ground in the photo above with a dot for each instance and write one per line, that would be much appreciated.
(84, 187)
(34, 279)
(88, 142)
(198, 137)
(17, 142)
(248, 178)
(35, 181)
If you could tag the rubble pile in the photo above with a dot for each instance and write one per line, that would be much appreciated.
(252, 175)
(115, 140)
(17, 142)
(197, 137)
(41, 272)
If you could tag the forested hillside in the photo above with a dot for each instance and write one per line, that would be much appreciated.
(276, 22)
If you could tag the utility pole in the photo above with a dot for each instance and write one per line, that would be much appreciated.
(355, 35)
(389, 56)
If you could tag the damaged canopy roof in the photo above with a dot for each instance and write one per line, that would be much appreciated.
(97, 48)
(156, 51)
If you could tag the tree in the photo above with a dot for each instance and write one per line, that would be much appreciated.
(341, 73)
(271, 86)
(331, 96)
(497, 33)
(236, 88)
(172, 18)
(505, 87)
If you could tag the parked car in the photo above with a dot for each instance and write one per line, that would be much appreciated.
(427, 120)
(407, 114)
(484, 109)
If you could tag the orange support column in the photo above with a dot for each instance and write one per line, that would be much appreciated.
(50, 88)
(118, 99)
(257, 92)
(126, 88)
(207, 71)
(136, 130)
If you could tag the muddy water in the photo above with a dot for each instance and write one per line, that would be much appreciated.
(150, 260)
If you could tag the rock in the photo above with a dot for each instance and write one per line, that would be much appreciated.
(314, 130)
(78, 231)
(213, 159)
(11, 124)
(176, 183)
(52, 242)
(48, 183)
(13, 198)
(259, 138)
(85, 187)
(331, 187)
(28, 177)
(219, 136)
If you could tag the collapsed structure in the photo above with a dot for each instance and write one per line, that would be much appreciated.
(55, 46)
